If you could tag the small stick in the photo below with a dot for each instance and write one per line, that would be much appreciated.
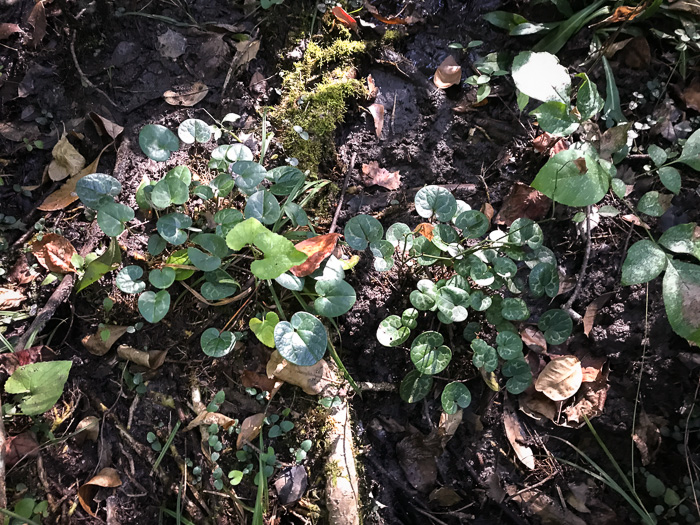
(342, 194)
(582, 272)
(84, 79)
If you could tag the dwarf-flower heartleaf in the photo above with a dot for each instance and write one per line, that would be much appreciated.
(157, 142)
(219, 285)
(544, 279)
(162, 278)
(525, 232)
(509, 344)
(334, 298)
(154, 306)
(556, 326)
(284, 179)
(194, 130)
(97, 189)
(400, 236)
(415, 386)
(112, 216)
(429, 354)
(247, 175)
(172, 227)
(215, 344)
(437, 201)
(455, 396)
(683, 238)
(263, 206)
(681, 291)
(514, 309)
(485, 355)
(168, 191)
(203, 261)
(452, 302)
(644, 262)
(362, 230)
(392, 331)
(302, 340)
(128, 280)
(473, 224)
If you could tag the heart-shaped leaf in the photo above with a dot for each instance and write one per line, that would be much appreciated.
(544, 279)
(425, 296)
(409, 318)
(112, 216)
(97, 189)
(222, 185)
(335, 298)
(392, 332)
(169, 190)
(296, 214)
(263, 206)
(453, 302)
(455, 396)
(194, 130)
(480, 301)
(510, 346)
(128, 280)
(504, 267)
(525, 232)
(157, 142)
(644, 262)
(40, 385)
(654, 203)
(429, 354)
(216, 344)
(156, 244)
(284, 179)
(291, 282)
(265, 330)
(171, 227)
(573, 179)
(415, 386)
(302, 340)
(681, 291)
(203, 261)
(362, 230)
(162, 278)
(437, 201)
(485, 355)
(248, 175)
(154, 306)
(540, 76)
(226, 219)
(473, 224)
(556, 326)
(425, 251)
(400, 236)
(219, 285)
(684, 238)
(214, 244)
(179, 258)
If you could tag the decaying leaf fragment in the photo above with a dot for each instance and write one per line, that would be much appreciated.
(106, 478)
(187, 96)
(67, 161)
(545, 508)
(561, 378)
(10, 298)
(152, 359)
(546, 143)
(523, 201)
(250, 428)
(372, 174)
(426, 230)
(592, 310)
(20, 446)
(88, 428)
(344, 18)
(316, 379)
(691, 94)
(516, 437)
(99, 343)
(206, 418)
(317, 249)
(377, 112)
(105, 126)
(448, 73)
(54, 252)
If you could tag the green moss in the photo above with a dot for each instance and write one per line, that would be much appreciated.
(393, 36)
(315, 97)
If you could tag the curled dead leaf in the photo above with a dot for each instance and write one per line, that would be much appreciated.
(691, 94)
(37, 19)
(344, 18)
(523, 201)
(10, 298)
(7, 30)
(317, 249)
(377, 112)
(316, 379)
(561, 378)
(54, 252)
(372, 89)
(105, 126)
(546, 143)
(250, 428)
(20, 446)
(152, 359)
(426, 230)
(448, 73)
(99, 343)
(624, 13)
(88, 428)
(372, 174)
(66, 160)
(186, 96)
(592, 310)
(206, 418)
(534, 339)
(106, 478)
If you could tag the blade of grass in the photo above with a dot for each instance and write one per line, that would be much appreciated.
(172, 514)
(166, 446)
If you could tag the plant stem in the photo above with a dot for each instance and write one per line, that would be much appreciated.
(276, 299)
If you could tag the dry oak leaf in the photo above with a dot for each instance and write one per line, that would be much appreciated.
(377, 112)
(561, 378)
(250, 379)
(54, 252)
(448, 73)
(65, 195)
(96, 345)
(10, 298)
(105, 126)
(106, 478)
(37, 19)
(372, 174)
(523, 201)
(317, 249)
(66, 160)
(187, 96)
(250, 428)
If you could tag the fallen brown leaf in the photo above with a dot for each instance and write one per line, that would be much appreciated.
(546, 143)
(374, 175)
(523, 201)
(377, 112)
(20, 446)
(448, 73)
(561, 378)
(96, 345)
(426, 230)
(106, 478)
(592, 310)
(250, 379)
(344, 18)
(488, 210)
(152, 359)
(516, 436)
(66, 160)
(416, 456)
(7, 30)
(624, 13)
(105, 126)
(636, 54)
(634, 220)
(534, 339)
(54, 252)
(187, 96)
(37, 19)
(647, 436)
(250, 428)
(545, 508)
(206, 418)
(317, 249)
(21, 272)
(372, 89)
(691, 94)
(88, 428)
(316, 379)
(445, 497)
(10, 298)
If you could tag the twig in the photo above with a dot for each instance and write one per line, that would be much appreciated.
(582, 272)
(342, 194)
(60, 294)
(3, 496)
(84, 79)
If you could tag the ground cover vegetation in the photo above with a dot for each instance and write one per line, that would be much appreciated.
(380, 262)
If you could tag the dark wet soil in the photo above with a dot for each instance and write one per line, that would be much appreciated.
(484, 151)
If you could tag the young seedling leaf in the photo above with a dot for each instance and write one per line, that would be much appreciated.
(215, 344)
(455, 396)
(429, 354)
(154, 306)
(169, 190)
(480, 301)
(265, 330)
(392, 332)
(157, 142)
(302, 340)
(194, 130)
(162, 278)
(437, 201)
(172, 227)
(335, 298)
(415, 386)
(556, 326)
(362, 230)
(112, 216)
(644, 262)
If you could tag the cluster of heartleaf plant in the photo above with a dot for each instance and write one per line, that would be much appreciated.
(468, 277)
(239, 215)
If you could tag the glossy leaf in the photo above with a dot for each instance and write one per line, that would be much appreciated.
(485, 356)
(392, 332)
(514, 309)
(437, 201)
(162, 278)
(215, 344)
(683, 238)
(455, 396)
(128, 280)
(509, 345)
(681, 292)
(556, 325)
(670, 178)
(97, 189)
(39, 385)
(361, 230)
(301, 341)
(644, 262)
(588, 100)
(172, 227)
(112, 216)
(169, 190)
(154, 306)
(544, 279)
(263, 206)
(335, 298)
(480, 301)
(203, 261)
(572, 179)
(473, 224)
(425, 296)
(428, 353)
(194, 130)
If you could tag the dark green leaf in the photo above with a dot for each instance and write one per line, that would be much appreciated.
(162, 278)
(556, 326)
(544, 279)
(154, 306)
(215, 344)
(654, 203)
(684, 238)
(473, 224)
(362, 230)
(564, 180)
(171, 227)
(263, 206)
(514, 309)
(301, 341)
(644, 262)
(157, 142)
(455, 396)
(415, 386)
(555, 118)
(128, 280)
(335, 298)
(435, 200)
(97, 189)
(681, 291)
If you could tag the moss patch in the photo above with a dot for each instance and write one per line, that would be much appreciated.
(315, 97)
